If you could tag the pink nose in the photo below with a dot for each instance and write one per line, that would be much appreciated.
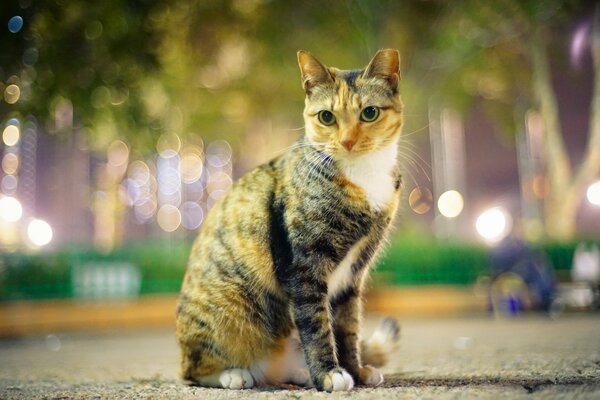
(348, 144)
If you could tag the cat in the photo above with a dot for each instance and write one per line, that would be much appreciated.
(272, 291)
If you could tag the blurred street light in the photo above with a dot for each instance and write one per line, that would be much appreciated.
(10, 209)
(494, 224)
(39, 232)
(593, 193)
(450, 204)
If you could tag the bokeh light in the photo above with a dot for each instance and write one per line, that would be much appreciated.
(218, 153)
(9, 184)
(39, 232)
(144, 210)
(117, 153)
(494, 224)
(94, 30)
(12, 93)
(168, 218)
(192, 215)
(117, 156)
(593, 193)
(10, 163)
(192, 164)
(168, 145)
(218, 181)
(10, 209)
(420, 200)
(30, 57)
(450, 204)
(169, 180)
(11, 135)
(578, 42)
(15, 24)
(139, 172)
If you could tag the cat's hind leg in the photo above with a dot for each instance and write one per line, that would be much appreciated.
(285, 364)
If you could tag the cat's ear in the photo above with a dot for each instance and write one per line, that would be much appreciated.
(385, 64)
(313, 72)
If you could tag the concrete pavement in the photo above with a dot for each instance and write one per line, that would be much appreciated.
(446, 358)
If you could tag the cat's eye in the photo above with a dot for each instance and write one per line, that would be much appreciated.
(326, 118)
(369, 114)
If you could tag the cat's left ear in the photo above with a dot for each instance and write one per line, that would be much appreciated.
(385, 64)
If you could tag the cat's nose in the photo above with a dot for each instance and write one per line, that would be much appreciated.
(348, 144)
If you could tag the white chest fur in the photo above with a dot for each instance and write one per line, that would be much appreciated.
(373, 173)
(342, 276)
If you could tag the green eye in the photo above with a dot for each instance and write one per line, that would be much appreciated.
(326, 118)
(369, 114)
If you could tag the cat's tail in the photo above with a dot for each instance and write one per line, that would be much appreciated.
(377, 349)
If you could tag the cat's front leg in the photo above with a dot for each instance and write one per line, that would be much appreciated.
(347, 308)
(313, 321)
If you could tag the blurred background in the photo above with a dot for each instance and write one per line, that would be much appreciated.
(122, 122)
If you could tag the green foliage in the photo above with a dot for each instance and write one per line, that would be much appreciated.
(162, 266)
(223, 69)
(26, 276)
(212, 68)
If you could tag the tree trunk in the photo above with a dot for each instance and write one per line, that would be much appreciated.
(566, 189)
(561, 215)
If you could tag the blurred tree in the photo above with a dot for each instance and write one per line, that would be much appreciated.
(134, 69)
(80, 54)
(497, 52)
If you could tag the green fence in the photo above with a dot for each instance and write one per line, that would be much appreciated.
(158, 267)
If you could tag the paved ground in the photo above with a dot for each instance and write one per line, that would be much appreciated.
(478, 357)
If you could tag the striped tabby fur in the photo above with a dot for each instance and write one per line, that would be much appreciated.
(272, 292)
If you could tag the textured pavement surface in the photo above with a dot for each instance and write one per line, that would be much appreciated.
(447, 358)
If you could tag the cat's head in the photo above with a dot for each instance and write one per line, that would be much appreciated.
(352, 113)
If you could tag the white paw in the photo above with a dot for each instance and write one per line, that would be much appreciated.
(336, 381)
(236, 379)
(371, 376)
(301, 377)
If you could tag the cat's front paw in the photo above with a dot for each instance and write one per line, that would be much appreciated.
(337, 380)
(370, 376)
(236, 378)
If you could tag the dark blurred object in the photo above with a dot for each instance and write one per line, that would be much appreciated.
(521, 278)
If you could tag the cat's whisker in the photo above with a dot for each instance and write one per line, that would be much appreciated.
(404, 135)
(415, 162)
(412, 150)
(419, 158)
(407, 169)
(295, 145)
(312, 160)
(410, 157)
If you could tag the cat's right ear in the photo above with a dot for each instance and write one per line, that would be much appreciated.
(313, 72)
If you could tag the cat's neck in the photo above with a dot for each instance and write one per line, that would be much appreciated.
(374, 173)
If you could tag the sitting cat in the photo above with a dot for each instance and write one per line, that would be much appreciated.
(272, 292)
